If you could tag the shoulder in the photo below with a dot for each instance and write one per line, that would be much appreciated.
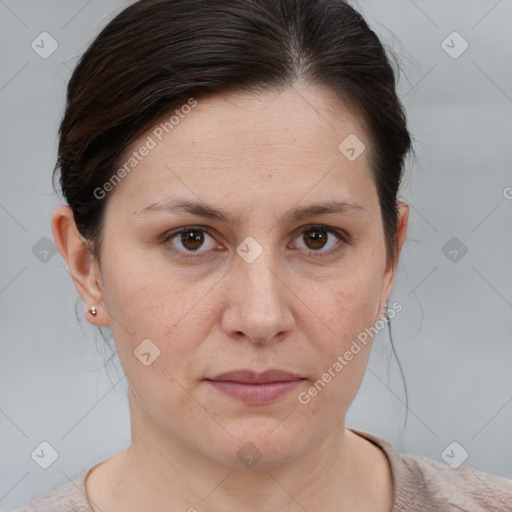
(463, 488)
(69, 497)
(421, 484)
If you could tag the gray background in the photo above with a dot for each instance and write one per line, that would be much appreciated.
(452, 337)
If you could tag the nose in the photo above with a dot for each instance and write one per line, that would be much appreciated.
(258, 306)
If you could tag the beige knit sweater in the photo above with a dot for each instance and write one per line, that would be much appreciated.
(420, 484)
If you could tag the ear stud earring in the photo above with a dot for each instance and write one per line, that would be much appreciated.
(386, 309)
(93, 311)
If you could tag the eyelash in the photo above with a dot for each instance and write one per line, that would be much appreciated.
(342, 240)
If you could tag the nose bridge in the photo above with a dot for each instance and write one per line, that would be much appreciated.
(258, 307)
(260, 279)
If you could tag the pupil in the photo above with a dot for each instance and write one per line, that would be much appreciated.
(318, 239)
(191, 240)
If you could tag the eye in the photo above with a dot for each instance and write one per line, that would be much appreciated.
(320, 239)
(191, 239)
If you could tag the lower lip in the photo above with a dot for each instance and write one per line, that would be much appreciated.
(261, 393)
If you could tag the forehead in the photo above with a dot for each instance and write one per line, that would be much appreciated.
(234, 146)
(313, 117)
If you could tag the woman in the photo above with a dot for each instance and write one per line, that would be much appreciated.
(231, 171)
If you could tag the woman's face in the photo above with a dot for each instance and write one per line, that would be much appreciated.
(270, 274)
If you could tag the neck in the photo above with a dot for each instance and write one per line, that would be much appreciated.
(158, 472)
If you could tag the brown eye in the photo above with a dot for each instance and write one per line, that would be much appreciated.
(321, 240)
(315, 238)
(192, 239)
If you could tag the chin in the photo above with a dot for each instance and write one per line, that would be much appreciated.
(259, 444)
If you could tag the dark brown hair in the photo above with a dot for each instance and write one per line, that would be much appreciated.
(157, 54)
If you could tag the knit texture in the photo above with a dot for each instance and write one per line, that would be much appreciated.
(420, 484)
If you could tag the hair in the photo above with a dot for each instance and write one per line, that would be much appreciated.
(157, 54)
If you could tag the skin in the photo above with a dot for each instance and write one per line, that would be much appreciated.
(257, 158)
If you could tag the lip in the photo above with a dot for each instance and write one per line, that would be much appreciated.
(250, 377)
(255, 388)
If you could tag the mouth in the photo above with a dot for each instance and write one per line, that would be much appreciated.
(256, 388)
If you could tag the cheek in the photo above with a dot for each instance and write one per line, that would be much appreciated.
(150, 300)
(342, 354)
(346, 313)
(159, 321)
(346, 305)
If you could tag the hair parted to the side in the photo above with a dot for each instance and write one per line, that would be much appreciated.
(157, 54)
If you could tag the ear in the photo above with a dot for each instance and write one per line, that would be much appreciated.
(83, 267)
(389, 277)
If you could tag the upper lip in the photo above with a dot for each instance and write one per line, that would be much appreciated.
(249, 376)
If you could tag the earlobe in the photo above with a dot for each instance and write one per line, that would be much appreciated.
(81, 263)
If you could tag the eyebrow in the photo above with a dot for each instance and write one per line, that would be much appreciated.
(206, 211)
